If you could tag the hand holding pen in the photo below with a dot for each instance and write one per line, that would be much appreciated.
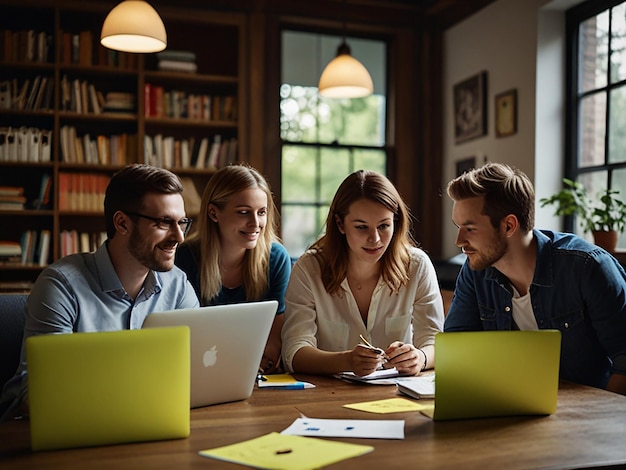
(366, 358)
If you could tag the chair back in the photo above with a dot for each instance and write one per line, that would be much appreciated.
(11, 333)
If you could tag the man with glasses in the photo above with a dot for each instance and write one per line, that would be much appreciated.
(129, 276)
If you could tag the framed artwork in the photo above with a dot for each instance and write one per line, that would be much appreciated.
(470, 108)
(464, 165)
(506, 113)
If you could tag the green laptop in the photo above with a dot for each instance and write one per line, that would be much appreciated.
(496, 373)
(89, 389)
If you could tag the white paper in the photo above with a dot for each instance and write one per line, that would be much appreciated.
(360, 428)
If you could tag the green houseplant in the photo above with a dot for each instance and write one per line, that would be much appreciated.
(604, 218)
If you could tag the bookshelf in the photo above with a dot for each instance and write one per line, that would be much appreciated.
(72, 113)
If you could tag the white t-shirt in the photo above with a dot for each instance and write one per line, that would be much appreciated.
(523, 314)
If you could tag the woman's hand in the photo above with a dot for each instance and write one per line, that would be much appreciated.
(405, 358)
(364, 361)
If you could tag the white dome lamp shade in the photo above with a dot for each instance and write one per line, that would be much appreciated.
(345, 77)
(134, 26)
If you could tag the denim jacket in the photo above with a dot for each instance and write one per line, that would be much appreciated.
(578, 288)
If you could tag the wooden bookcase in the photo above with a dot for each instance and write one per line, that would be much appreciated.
(53, 137)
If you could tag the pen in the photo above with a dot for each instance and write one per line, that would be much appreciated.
(294, 386)
(367, 344)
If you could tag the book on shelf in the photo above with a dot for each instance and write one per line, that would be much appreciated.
(43, 249)
(12, 198)
(24, 144)
(178, 66)
(11, 191)
(25, 46)
(178, 55)
(82, 192)
(10, 251)
(213, 161)
(29, 246)
(45, 188)
(73, 241)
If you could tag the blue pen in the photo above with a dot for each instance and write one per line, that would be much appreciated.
(290, 386)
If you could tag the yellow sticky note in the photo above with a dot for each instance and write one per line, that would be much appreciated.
(275, 379)
(389, 405)
(282, 451)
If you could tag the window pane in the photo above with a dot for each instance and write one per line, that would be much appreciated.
(357, 121)
(618, 43)
(300, 226)
(335, 166)
(299, 169)
(617, 126)
(593, 52)
(592, 130)
(595, 182)
(374, 160)
(619, 183)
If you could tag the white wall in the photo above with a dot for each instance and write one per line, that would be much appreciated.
(520, 43)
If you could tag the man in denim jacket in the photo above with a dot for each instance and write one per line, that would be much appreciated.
(517, 277)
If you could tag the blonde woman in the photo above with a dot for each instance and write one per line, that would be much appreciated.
(235, 254)
(363, 277)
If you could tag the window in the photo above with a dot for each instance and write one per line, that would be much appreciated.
(324, 140)
(597, 129)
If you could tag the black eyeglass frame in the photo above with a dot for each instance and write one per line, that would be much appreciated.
(165, 223)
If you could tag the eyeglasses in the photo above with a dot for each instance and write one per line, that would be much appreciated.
(164, 223)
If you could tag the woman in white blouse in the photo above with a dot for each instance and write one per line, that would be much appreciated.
(363, 277)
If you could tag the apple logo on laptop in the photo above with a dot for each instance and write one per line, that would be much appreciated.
(209, 357)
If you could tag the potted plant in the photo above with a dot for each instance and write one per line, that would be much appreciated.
(604, 219)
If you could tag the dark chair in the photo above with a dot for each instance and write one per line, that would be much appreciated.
(11, 333)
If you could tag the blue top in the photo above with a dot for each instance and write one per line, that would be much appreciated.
(279, 272)
(578, 288)
(82, 293)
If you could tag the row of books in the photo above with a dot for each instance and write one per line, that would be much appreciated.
(81, 49)
(29, 95)
(33, 248)
(116, 149)
(25, 144)
(82, 192)
(26, 46)
(80, 96)
(169, 152)
(179, 104)
(73, 241)
(13, 197)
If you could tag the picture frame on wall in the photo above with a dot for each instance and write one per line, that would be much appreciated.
(464, 165)
(506, 113)
(470, 108)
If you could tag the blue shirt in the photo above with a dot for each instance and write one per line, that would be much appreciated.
(82, 293)
(578, 288)
(279, 272)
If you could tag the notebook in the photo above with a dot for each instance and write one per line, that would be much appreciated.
(227, 344)
(89, 389)
(496, 373)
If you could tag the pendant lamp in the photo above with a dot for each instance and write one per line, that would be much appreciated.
(134, 26)
(345, 77)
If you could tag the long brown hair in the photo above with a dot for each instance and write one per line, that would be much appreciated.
(332, 248)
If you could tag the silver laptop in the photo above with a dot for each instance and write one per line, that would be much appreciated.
(227, 344)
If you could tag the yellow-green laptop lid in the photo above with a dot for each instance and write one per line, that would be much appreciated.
(88, 389)
(496, 373)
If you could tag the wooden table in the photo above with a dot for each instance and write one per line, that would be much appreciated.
(588, 430)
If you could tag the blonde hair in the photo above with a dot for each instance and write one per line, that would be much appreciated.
(225, 183)
(331, 250)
